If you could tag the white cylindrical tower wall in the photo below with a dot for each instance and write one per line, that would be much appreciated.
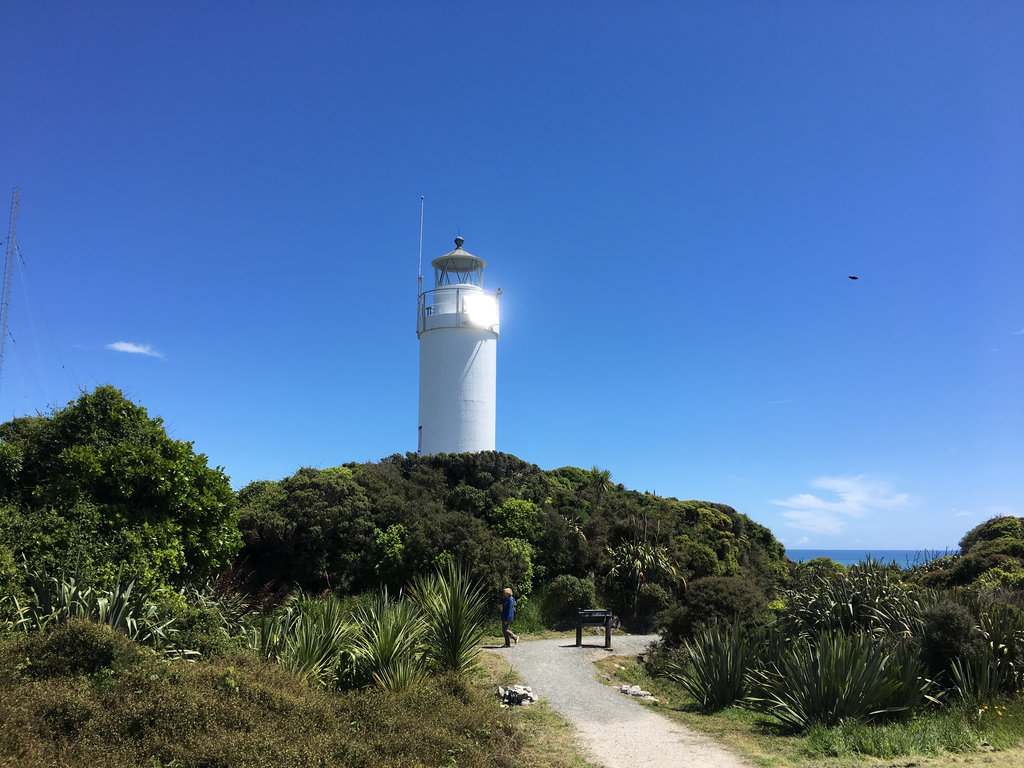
(458, 392)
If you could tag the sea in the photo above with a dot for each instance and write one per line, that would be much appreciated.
(904, 558)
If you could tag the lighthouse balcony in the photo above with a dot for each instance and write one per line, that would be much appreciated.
(457, 306)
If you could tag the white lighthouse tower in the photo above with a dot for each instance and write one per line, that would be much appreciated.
(457, 325)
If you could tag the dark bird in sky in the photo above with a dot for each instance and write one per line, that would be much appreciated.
(853, 277)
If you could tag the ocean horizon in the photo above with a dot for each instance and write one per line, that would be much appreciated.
(904, 558)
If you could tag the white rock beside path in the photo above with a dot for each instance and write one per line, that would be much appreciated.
(613, 730)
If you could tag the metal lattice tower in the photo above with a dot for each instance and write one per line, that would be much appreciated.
(5, 302)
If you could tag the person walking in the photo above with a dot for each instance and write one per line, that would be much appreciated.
(508, 613)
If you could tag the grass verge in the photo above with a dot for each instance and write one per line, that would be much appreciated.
(993, 737)
(86, 696)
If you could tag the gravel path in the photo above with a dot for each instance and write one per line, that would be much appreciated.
(613, 730)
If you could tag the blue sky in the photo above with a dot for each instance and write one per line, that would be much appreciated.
(220, 212)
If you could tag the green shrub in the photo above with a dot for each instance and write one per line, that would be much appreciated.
(651, 600)
(518, 519)
(1005, 545)
(809, 572)
(78, 647)
(697, 560)
(969, 567)
(1000, 527)
(949, 633)
(999, 668)
(201, 630)
(1010, 577)
(714, 598)
(100, 484)
(564, 596)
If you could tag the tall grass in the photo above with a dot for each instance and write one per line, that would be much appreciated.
(390, 642)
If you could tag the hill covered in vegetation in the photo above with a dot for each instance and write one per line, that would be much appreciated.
(565, 535)
(355, 597)
(99, 489)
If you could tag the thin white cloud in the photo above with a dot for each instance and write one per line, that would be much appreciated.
(813, 521)
(134, 349)
(1019, 333)
(853, 497)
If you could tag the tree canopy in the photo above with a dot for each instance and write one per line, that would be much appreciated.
(510, 523)
(98, 487)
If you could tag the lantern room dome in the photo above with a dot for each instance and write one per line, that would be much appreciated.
(458, 260)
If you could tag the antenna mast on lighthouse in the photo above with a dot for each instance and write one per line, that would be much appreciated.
(419, 266)
(5, 302)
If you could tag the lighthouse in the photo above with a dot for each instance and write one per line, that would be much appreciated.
(457, 325)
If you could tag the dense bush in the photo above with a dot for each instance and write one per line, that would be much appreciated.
(309, 530)
(867, 596)
(949, 633)
(75, 647)
(810, 572)
(1002, 527)
(651, 600)
(991, 555)
(565, 595)
(716, 598)
(98, 486)
(510, 523)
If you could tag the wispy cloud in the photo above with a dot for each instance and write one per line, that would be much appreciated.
(1019, 333)
(134, 349)
(852, 497)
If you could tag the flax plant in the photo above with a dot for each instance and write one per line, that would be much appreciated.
(387, 648)
(1000, 668)
(712, 667)
(55, 599)
(868, 597)
(453, 609)
(835, 678)
(320, 642)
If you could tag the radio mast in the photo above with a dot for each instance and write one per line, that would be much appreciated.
(5, 302)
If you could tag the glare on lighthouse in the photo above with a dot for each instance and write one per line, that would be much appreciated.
(457, 325)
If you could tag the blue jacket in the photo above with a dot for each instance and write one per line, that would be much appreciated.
(508, 609)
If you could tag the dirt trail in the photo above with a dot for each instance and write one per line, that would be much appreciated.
(613, 730)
